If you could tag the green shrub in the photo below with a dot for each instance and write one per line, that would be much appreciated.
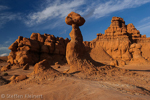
(5, 74)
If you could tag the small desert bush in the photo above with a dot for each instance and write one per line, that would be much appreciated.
(5, 74)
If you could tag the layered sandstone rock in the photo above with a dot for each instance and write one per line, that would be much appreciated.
(116, 41)
(36, 48)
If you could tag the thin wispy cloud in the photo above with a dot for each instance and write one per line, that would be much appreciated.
(5, 16)
(4, 47)
(4, 50)
(144, 25)
(60, 9)
(3, 7)
(57, 9)
(63, 32)
(116, 5)
(144, 28)
(54, 11)
(147, 19)
(4, 54)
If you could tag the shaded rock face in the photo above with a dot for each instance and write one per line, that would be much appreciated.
(36, 48)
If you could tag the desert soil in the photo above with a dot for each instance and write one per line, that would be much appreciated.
(135, 85)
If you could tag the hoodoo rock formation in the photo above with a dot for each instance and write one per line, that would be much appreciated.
(76, 54)
(119, 45)
(75, 48)
(36, 48)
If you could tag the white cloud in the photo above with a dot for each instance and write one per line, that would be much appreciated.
(6, 17)
(57, 10)
(3, 48)
(3, 7)
(147, 19)
(116, 5)
(60, 9)
(63, 32)
(144, 28)
(4, 51)
(4, 54)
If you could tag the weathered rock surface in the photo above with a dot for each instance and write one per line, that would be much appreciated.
(120, 42)
(17, 78)
(5, 68)
(118, 39)
(36, 48)
(75, 48)
(42, 66)
(135, 50)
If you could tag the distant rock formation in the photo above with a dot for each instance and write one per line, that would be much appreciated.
(119, 45)
(36, 48)
(118, 38)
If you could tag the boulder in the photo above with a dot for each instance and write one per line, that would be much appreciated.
(41, 66)
(122, 63)
(13, 77)
(20, 78)
(34, 36)
(114, 63)
(5, 68)
(13, 46)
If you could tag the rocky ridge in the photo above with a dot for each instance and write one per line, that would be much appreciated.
(116, 43)
(36, 48)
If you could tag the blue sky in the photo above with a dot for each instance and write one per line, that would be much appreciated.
(23, 17)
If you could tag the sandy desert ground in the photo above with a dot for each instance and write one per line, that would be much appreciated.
(134, 85)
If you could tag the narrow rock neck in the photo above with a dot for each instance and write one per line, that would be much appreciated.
(75, 34)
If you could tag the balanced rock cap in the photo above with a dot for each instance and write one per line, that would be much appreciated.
(74, 18)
